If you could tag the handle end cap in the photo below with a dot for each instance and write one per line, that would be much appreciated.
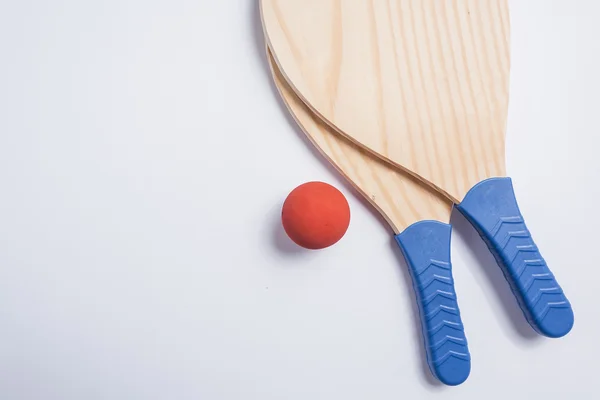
(453, 371)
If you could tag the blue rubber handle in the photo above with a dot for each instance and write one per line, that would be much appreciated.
(426, 248)
(492, 209)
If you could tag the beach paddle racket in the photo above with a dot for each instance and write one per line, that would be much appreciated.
(423, 85)
(419, 218)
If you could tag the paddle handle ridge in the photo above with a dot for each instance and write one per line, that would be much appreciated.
(491, 207)
(426, 248)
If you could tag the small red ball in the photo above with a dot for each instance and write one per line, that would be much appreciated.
(315, 215)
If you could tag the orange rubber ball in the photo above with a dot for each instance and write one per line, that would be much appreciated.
(315, 215)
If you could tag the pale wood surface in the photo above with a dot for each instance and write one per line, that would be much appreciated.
(421, 83)
(401, 199)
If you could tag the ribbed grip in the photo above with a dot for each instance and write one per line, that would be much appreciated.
(426, 248)
(492, 209)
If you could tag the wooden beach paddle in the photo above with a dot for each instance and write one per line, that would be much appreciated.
(419, 218)
(423, 85)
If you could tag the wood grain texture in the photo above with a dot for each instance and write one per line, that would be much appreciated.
(401, 199)
(422, 84)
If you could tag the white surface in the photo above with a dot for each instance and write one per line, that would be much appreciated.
(144, 157)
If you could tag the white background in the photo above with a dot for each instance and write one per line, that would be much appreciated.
(144, 158)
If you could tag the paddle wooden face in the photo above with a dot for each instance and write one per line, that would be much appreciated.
(401, 199)
(422, 84)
